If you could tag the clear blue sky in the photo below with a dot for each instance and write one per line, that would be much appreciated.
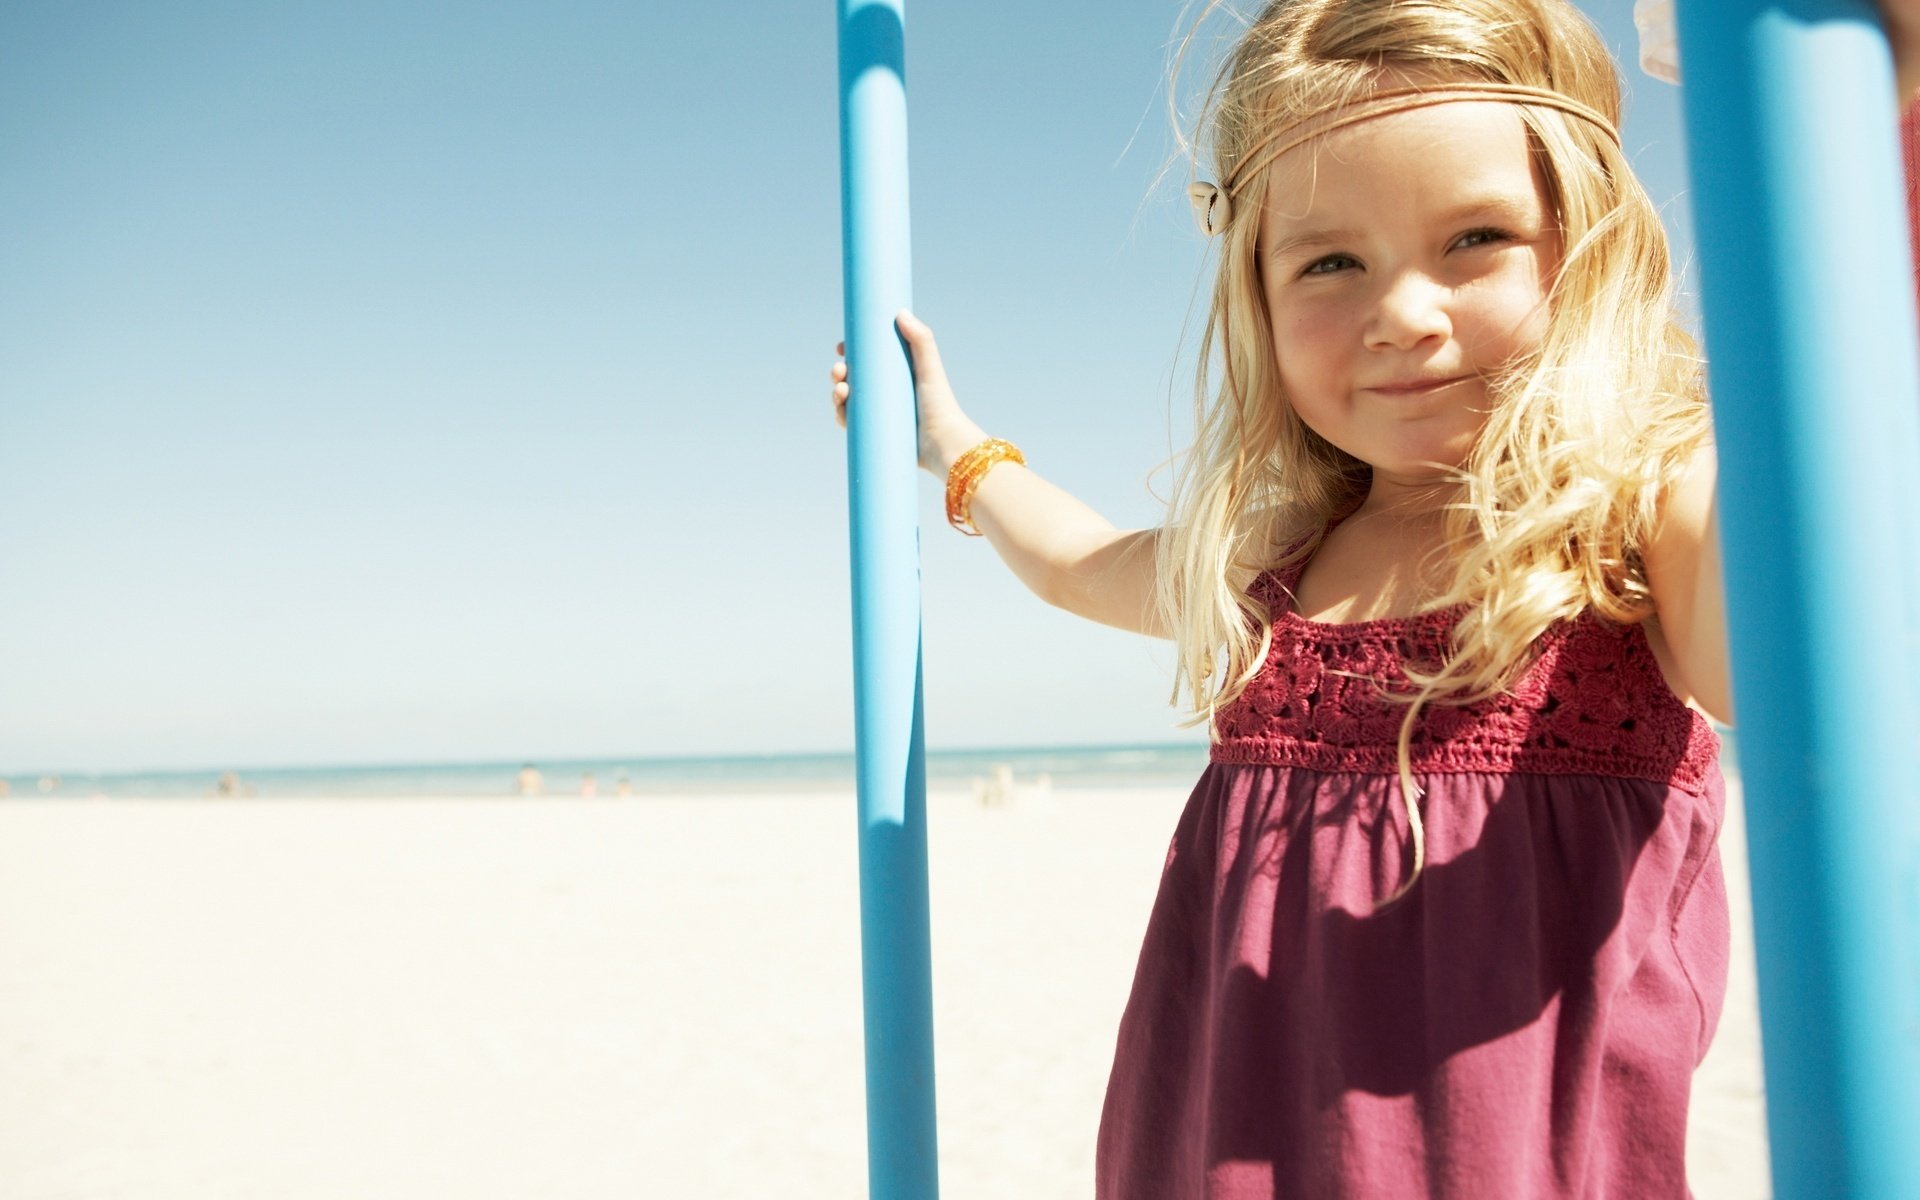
(407, 381)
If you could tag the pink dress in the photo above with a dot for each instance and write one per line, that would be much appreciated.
(1524, 1023)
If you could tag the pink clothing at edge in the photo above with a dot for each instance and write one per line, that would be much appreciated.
(1525, 1023)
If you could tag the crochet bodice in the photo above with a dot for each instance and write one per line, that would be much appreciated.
(1592, 701)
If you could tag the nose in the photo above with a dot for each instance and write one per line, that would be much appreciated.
(1410, 309)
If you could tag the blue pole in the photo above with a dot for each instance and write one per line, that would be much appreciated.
(882, 453)
(1809, 311)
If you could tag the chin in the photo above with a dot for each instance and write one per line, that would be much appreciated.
(1424, 466)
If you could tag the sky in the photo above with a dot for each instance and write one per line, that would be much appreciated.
(420, 382)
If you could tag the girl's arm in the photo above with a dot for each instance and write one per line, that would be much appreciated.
(1066, 553)
(1902, 19)
(1903, 35)
(1683, 569)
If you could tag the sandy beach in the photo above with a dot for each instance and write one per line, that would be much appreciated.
(503, 999)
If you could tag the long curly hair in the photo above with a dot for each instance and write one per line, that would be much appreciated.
(1561, 489)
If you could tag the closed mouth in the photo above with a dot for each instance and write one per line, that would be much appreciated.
(1417, 387)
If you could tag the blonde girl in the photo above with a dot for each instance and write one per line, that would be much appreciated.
(1445, 914)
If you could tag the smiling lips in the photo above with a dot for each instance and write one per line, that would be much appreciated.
(1416, 387)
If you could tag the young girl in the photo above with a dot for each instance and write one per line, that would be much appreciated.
(1445, 915)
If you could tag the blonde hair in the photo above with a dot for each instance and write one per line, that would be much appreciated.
(1561, 488)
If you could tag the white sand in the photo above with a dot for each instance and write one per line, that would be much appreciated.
(510, 999)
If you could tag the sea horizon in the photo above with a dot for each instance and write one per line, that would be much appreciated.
(1103, 765)
(1092, 765)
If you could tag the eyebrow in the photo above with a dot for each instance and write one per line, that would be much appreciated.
(1503, 209)
(1313, 239)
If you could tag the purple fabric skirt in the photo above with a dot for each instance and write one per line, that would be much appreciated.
(1524, 1023)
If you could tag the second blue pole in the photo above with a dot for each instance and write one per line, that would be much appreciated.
(882, 484)
(1810, 330)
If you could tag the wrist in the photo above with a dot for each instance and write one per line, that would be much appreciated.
(949, 444)
(964, 479)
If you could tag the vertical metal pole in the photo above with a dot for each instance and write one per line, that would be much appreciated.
(1816, 386)
(882, 452)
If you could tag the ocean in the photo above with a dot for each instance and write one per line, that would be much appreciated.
(1156, 766)
(1151, 766)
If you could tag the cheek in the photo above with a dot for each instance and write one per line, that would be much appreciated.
(1306, 339)
(1509, 317)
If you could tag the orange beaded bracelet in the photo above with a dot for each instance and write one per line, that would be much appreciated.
(964, 477)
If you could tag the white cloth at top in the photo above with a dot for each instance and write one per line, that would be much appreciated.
(1659, 44)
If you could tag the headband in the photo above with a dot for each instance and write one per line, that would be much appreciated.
(1212, 203)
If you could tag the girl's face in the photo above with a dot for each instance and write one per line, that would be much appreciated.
(1404, 260)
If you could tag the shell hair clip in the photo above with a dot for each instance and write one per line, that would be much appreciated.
(1211, 207)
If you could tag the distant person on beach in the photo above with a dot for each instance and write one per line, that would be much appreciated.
(529, 780)
(589, 786)
(623, 788)
(1445, 914)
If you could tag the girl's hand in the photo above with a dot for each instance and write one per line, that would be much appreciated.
(1068, 554)
(945, 431)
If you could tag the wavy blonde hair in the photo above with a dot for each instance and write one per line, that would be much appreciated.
(1561, 489)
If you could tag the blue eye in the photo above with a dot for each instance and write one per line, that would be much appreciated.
(1482, 237)
(1330, 264)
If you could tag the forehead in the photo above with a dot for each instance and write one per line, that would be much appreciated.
(1444, 155)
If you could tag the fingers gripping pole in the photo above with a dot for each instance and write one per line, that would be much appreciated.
(1810, 333)
(881, 459)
